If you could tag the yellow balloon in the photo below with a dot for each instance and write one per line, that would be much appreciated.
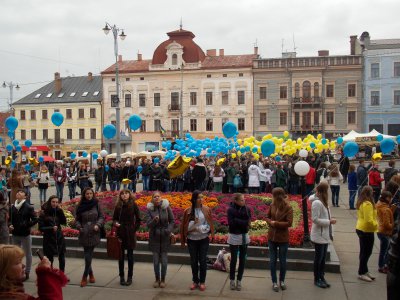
(256, 156)
(316, 151)
(239, 153)
(286, 133)
(269, 136)
(239, 141)
(319, 136)
(233, 155)
(320, 146)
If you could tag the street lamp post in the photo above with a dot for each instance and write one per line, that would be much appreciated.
(115, 30)
(11, 85)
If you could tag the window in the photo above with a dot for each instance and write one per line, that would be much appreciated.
(209, 98)
(22, 116)
(142, 100)
(81, 133)
(208, 75)
(306, 90)
(283, 92)
(351, 90)
(175, 101)
(49, 95)
(141, 78)
(157, 99)
(143, 126)
(316, 118)
(69, 113)
(297, 90)
(241, 124)
(126, 125)
(69, 134)
(375, 98)
(240, 74)
(92, 113)
(396, 69)
(209, 125)
(263, 119)
(263, 93)
(374, 70)
(174, 59)
(37, 96)
(112, 79)
(23, 134)
(56, 110)
(240, 95)
(316, 89)
(114, 100)
(92, 133)
(45, 134)
(44, 114)
(81, 113)
(114, 123)
(85, 94)
(96, 93)
(128, 100)
(72, 94)
(224, 75)
(33, 114)
(193, 98)
(60, 95)
(193, 124)
(225, 97)
(351, 117)
(283, 118)
(329, 90)
(396, 97)
(157, 125)
(33, 134)
(224, 120)
(296, 118)
(127, 79)
(329, 117)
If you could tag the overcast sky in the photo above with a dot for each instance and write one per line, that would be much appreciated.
(40, 37)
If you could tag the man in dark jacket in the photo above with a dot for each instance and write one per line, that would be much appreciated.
(130, 172)
(156, 177)
(113, 176)
(22, 218)
(362, 175)
(390, 171)
(344, 167)
(199, 175)
(146, 172)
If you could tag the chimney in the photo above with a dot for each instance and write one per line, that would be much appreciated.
(211, 52)
(221, 52)
(90, 76)
(119, 58)
(255, 50)
(323, 52)
(139, 56)
(57, 83)
(353, 39)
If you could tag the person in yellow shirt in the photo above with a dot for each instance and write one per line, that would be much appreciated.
(367, 225)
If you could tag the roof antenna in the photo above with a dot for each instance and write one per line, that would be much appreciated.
(180, 25)
(294, 44)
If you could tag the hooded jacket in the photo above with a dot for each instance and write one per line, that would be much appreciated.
(238, 218)
(22, 219)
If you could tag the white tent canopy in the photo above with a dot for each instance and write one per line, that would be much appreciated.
(352, 135)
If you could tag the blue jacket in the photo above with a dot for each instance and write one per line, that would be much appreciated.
(352, 181)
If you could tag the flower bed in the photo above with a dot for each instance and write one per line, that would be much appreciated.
(258, 204)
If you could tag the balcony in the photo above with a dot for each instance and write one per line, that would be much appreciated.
(306, 128)
(56, 141)
(307, 102)
(174, 107)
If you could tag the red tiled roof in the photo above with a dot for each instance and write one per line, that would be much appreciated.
(228, 61)
(129, 66)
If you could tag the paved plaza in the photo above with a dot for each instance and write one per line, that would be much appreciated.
(256, 283)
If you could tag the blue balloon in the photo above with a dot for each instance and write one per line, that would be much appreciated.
(28, 167)
(339, 140)
(109, 131)
(9, 148)
(278, 158)
(57, 118)
(156, 160)
(387, 145)
(139, 169)
(350, 149)
(15, 143)
(379, 137)
(229, 129)
(11, 123)
(95, 156)
(73, 155)
(13, 163)
(312, 145)
(84, 154)
(134, 122)
(10, 134)
(18, 148)
(267, 148)
(34, 175)
(255, 149)
(41, 159)
(398, 139)
(107, 167)
(28, 143)
(324, 141)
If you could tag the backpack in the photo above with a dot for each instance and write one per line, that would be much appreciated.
(237, 181)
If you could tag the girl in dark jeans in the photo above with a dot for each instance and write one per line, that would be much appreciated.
(239, 218)
(279, 218)
(196, 225)
(334, 178)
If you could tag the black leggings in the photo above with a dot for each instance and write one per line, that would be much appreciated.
(61, 260)
(242, 249)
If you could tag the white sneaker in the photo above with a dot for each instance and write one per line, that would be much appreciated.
(364, 277)
(233, 285)
(370, 276)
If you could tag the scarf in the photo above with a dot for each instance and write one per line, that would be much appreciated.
(18, 205)
(86, 205)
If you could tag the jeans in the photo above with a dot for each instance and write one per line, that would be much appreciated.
(118, 183)
(383, 251)
(42, 195)
(72, 189)
(366, 244)
(273, 255)
(121, 262)
(218, 187)
(60, 190)
(254, 190)
(61, 260)
(352, 198)
(242, 249)
(319, 261)
(146, 180)
(263, 186)
(335, 189)
(160, 259)
(88, 254)
(166, 185)
(392, 286)
(309, 189)
(97, 186)
(198, 256)
(25, 242)
(113, 185)
(293, 187)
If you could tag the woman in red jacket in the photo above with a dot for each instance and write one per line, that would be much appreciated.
(375, 180)
(12, 274)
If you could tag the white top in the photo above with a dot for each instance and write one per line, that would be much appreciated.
(198, 231)
(320, 222)
(237, 239)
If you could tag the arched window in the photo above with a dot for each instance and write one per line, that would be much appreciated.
(297, 90)
(306, 90)
(316, 89)
(174, 59)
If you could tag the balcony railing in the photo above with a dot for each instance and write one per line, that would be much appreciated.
(174, 107)
(307, 100)
(56, 141)
(307, 127)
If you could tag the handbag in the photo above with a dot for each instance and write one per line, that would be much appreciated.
(114, 243)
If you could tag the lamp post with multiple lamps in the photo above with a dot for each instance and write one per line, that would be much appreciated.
(115, 30)
(11, 85)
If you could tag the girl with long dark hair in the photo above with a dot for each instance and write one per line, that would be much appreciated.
(196, 225)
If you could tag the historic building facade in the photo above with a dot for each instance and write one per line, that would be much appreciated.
(180, 85)
(308, 95)
(78, 99)
(381, 84)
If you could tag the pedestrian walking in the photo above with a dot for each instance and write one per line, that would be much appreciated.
(43, 183)
(15, 183)
(352, 186)
(334, 178)
(375, 181)
(60, 176)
